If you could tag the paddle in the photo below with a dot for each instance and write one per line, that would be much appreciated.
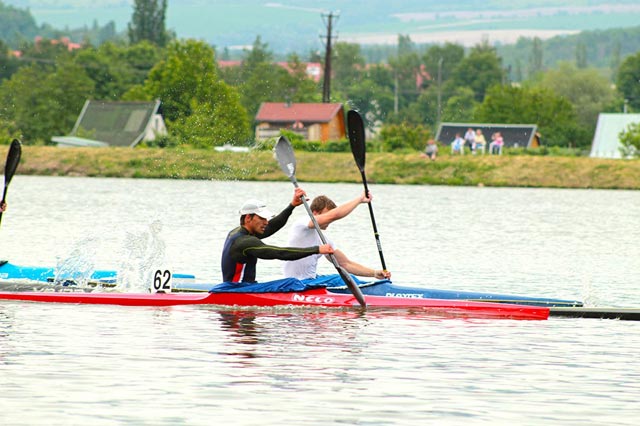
(287, 160)
(13, 158)
(358, 148)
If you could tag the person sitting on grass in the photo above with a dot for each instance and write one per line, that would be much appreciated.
(431, 150)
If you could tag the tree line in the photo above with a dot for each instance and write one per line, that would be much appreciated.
(42, 92)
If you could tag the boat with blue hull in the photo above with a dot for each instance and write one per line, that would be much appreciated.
(187, 283)
(334, 284)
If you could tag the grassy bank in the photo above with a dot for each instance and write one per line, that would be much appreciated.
(517, 171)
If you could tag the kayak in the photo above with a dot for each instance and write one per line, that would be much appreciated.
(334, 284)
(311, 298)
(188, 283)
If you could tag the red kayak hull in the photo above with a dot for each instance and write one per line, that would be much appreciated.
(309, 298)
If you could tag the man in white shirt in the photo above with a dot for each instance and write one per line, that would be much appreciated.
(303, 233)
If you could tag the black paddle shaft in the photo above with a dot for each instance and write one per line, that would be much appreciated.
(373, 223)
(359, 150)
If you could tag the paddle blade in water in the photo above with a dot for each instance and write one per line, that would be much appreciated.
(356, 137)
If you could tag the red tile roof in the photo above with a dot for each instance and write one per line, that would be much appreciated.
(303, 112)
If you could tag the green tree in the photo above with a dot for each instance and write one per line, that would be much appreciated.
(8, 63)
(424, 110)
(199, 108)
(372, 101)
(148, 22)
(347, 64)
(442, 60)
(614, 63)
(115, 69)
(553, 114)
(479, 70)
(581, 55)
(628, 80)
(459, 107)
(395, 137)
(586, 89)
(258, 55)
(405, 66)
(298, 86)
(630, 140)
(261, 80)
(16, 25)
(45, 101)
(264, 84)
(536, 62)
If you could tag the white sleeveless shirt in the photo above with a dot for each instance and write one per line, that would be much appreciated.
(300, 235)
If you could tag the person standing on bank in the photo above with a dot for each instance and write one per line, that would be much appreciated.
(243, 246)
(303, 233)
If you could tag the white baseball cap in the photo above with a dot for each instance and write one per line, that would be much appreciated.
(256, 207)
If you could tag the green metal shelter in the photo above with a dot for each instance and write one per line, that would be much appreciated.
(103, 123)
(606, 140)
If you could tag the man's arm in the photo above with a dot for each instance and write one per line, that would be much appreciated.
(340, 211)
(281, 219)
(277, 222)
(252, 246)
(358, 269)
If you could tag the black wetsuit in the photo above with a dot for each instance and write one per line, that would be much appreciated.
(242, 250)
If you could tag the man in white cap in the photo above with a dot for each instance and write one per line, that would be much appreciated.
(244, 247)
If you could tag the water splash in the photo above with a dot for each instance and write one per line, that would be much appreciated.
(144, 253)
(77, 267)
(590, 295)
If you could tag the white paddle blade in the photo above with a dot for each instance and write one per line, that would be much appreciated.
(285, 156)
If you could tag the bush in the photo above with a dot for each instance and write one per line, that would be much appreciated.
(164, 141)
(336, 146)
(553, 151)
(630, 141)
(397, 137)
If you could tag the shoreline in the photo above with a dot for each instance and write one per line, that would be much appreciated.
(381, 168)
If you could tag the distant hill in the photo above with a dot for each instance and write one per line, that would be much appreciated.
(18, 25)
(297, 25)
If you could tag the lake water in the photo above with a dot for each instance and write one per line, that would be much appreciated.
(74, 364)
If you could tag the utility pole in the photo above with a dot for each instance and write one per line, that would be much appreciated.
(326, 84)
(439, 89)
(395, 92)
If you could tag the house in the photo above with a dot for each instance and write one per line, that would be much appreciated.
(514, 135)
(606, 140)
(313, 121)
(103, 123)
